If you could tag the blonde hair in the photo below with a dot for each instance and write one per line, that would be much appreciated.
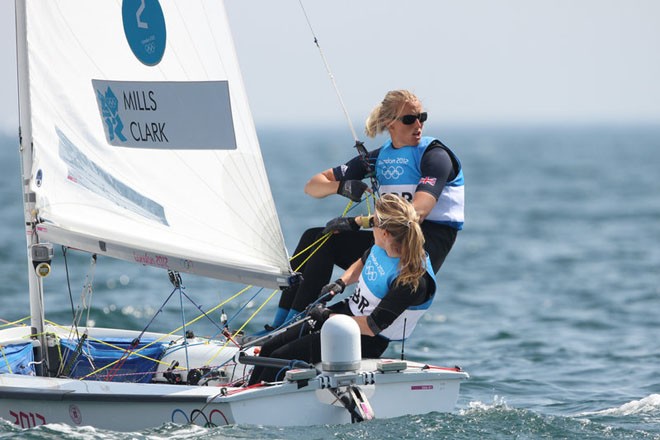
(399, 218)
(387, 111)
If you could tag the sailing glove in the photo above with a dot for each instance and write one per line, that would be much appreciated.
(353, 189)
(319, 315)
(341, 224)
(335, 287)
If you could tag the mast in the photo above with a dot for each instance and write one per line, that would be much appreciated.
(25, 148)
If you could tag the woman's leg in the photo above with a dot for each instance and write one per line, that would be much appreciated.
(298, 262)
(438, 241)
(342, 249)
(295, 343)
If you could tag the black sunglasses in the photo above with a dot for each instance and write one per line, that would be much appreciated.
(410, 119)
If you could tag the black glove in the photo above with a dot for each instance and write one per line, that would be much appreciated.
(319, 314)
(335, 287)
(340, 224)
(353, 189)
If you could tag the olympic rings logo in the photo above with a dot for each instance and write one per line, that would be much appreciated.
(392, 172)
(198, 417)
(150, 47)
(371, 272)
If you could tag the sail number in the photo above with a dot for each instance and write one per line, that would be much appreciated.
(27, 419)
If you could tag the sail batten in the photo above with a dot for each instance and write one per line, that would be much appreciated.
(144, 144)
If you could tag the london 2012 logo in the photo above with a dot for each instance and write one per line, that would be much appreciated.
(144, 27)
(109, 105)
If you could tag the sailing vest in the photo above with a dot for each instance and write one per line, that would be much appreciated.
(398, 171)
(376, 278)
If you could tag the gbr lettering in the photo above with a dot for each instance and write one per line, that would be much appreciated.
(404, 195)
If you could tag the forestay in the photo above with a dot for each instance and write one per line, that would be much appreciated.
(144, 147)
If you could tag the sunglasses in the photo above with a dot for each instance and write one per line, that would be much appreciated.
(410, 119)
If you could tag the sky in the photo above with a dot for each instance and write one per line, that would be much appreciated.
(469, 61)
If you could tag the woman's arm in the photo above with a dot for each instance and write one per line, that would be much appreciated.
(327, 182)
(364, 326)
(437, 168)
(322, 184)
(393, 304)
(352, 274)
(423, 203)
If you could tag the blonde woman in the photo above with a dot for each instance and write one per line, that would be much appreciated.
(395, 287)
(420, 169)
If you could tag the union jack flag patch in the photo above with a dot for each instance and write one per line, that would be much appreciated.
(428, 180)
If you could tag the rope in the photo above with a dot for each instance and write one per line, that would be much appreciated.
(4, 356)
(332, 77)
(359, 145)
(13, 323)
(256, 312)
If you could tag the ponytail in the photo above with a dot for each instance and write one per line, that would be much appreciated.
(400, 219)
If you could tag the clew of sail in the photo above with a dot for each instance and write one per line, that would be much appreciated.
(143, 144)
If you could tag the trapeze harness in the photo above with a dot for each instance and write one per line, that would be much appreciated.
(376, 279)
(398, 171)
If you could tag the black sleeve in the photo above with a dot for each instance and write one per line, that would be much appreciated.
(396, 300)
(356, 168)
(437, 169)
(366, 255)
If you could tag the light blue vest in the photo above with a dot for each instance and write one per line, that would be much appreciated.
(398, 171)
(376, 278)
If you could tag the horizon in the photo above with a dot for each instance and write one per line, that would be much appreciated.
(472, 63)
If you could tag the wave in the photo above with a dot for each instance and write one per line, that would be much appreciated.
(477, 406)
(649, 405)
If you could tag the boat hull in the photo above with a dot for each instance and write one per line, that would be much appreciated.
(30, 401)
(390, 388)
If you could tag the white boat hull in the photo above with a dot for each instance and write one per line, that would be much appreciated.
(30, 401)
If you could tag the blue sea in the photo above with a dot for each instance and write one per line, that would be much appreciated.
(550, 298)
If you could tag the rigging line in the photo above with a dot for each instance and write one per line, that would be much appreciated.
(325, 238)
(6, 360)
(156, 314)
(332, 77)
(203, 313)
(256, 312)
(359, 145)
(242, 291)
(238, 312)
(68, 283)
(322, 239)
(183, 320)
(13, 323)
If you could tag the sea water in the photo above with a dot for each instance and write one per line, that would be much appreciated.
(550, 298)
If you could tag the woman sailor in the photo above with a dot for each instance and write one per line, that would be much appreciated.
(395, 286)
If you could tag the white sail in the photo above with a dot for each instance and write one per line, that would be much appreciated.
(144, 147)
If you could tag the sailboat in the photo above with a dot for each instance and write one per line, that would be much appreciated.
(137, 143)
